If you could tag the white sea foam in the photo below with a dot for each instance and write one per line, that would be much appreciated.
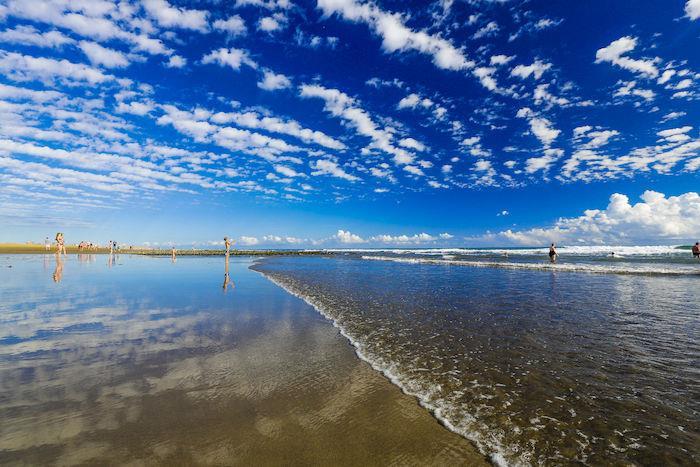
(590, 250)
(641, 268)
(489, 446)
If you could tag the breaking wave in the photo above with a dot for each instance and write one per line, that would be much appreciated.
(628, 268)
(599, 250)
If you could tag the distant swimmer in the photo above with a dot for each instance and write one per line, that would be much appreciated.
(227, 244)
(553, 253)
(696, 250)
(47, 244)
(612, 254)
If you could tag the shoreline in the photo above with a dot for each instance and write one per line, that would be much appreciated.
(494, 458)
(398, 324)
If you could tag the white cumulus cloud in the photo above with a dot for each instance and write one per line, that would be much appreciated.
(102, 56)
(233, 26)
(655, 219)
(536, 69)
(615, 54)
(340, 105)
(170, 16)
(541, 127)
(248, 241)
(269, 24)
(273, 81)
(231, 57)
(396, 36)
(328, 167)
(344, 236)
(28, 35)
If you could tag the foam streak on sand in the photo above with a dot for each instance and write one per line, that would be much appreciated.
(492, 448)
(641, 269)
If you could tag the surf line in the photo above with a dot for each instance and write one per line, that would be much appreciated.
(643, 271)
(492, 449)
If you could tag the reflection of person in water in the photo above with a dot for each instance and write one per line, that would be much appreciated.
(58, 272)
(227, 277)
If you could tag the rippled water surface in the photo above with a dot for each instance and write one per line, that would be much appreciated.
(534, 365)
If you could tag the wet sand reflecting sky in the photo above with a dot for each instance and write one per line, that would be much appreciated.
(147, 361)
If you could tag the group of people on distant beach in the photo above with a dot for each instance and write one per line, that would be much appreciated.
(60, 243)
(114, 248)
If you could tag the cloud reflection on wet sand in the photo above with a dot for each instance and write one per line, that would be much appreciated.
(182, 373)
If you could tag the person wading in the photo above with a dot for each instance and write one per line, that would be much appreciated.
(60, 245)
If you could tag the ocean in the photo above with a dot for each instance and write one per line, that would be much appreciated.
(594, 360)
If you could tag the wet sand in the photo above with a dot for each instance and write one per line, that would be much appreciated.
(100, 375)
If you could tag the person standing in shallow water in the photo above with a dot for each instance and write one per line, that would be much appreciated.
(60, 246)
(227, 244)
(696, 251)
(552, 253)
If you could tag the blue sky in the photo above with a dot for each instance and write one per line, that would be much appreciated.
(350, 123)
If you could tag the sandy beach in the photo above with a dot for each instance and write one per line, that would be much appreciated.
(105, 368)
